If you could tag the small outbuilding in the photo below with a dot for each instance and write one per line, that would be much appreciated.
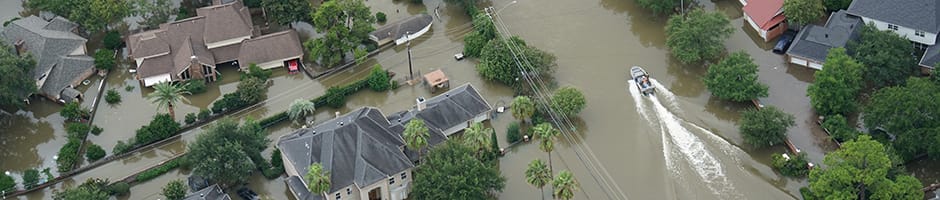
(436, 79)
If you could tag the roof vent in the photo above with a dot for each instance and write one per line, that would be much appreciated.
(341, 123)
(447, 95)
(827, 35)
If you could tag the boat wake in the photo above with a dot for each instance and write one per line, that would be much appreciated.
(677, 138)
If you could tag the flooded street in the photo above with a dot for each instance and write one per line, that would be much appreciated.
(680, 144)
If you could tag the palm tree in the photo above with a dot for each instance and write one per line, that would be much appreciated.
(166, 95)
(299, 109)
(522, 108)
(416, 135)
(538, 175)
(547, 134)
(565, 185)
(477, 136)
(318, 180)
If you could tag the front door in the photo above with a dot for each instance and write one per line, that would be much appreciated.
(375, 194)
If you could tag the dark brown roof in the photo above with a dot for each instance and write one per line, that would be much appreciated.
(226, 21)
(270, 47)
(226, 53)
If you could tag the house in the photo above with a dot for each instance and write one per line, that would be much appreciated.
(812, 44)
(191, 48)
(766, 17)
(364, 151)
(60, 54)
(916, 20)
(402, 31)
(436, 79)
(363, 156)
(213, 192)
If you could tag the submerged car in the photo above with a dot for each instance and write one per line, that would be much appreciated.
(784, 42)
(642, 80)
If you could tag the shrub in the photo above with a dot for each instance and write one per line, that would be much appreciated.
(94, 153)
(794, 167)
(68, 155)
(568, 101)
(7, 184)
(195, 86)
(104, 59)
(30, 178)
(513, 134)
(380, 17)
(839, 128)
(119, 188)
(174, 190)
(157, 171)
(266, 122)
(128, 88)
(120, 148)
(74, 111)
(161, 127)
(95, 130)
(273, 172)
(190, 118)
(203, 114)
(112, 97)
(77, 130)
(378, 79)
(112, 40)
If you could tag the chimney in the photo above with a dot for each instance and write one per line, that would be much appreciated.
(420, 103)
(336, 115)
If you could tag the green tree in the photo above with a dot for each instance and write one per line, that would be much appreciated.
(909, 113)
(229, 153)
(802, 12)
(547, 135)
(380, 17)
(318, 179)
(735, 78)
(345, 24)
(16, 84)
(285, 12)
(251, 90)
(94, 153)
(154, 12)
(522, 107)
(73, 111)
(452, 172)
(416, 135)
(96, 15)
(256, 72)
(379, 80)
(861, 169)
(887, 56)
(112, 40)
(468, 5)
(538, 175)
(299, 109)
(162, 126)
(483, 31)
(477, 137)
(112, 97)
(765, 127)
(698, 35)
(165, 95)
(360, 55)
(30, 178)
(174, 190)
(834, 5)
(660, 6)
(568, 101)
(565, 185)
(837, 84)
(839, 128)
(7, 184)
(498, 64)
(795, 166)
(104, 59)
(92, 189)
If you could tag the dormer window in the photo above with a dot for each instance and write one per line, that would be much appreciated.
(919, 33)
(893, 27)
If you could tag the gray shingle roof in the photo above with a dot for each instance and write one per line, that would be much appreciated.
(270, 47)
(922, 15)
(53, 46)
(400, 28)
(814, 42)
(398, 121)
(931, 57)
(213, 192)
(300, 190)
(454, 107)
(357, 147)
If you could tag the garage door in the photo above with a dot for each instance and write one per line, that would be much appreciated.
(797, 61)
(815, 65)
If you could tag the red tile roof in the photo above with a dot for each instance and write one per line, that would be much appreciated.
(764, 12)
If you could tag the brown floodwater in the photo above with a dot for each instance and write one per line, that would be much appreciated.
(681, 144)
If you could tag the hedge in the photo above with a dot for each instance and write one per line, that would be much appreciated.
(157, 171)
(274, 119)
(68, 155)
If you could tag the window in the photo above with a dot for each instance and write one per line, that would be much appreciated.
(206, 70)
(185, 75)
(391, 180)
(919, 33)
(893, 27)
(348, 191)
(404, 175)
(339, 196)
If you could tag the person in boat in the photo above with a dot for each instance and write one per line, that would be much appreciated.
(645, 81)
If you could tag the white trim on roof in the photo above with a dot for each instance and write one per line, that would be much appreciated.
(153, 80)
(406, 38)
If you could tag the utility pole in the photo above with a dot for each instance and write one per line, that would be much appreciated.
(411, 73)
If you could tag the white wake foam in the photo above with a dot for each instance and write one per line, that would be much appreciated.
(670, 97)
(638, 98)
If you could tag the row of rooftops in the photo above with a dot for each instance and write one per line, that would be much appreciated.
(365, 146)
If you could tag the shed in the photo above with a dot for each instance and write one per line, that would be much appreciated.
(436, 79)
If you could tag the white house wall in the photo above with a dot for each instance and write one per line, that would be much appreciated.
(763, 33)
(226, 42)
(928, 39)
(275, 64)
(153, 80)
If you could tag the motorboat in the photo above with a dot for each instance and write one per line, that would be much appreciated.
(642, 80)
